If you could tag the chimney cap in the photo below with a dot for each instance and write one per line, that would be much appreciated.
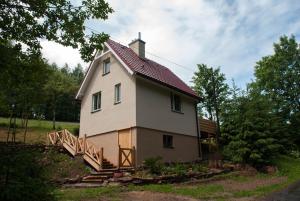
(138, 39)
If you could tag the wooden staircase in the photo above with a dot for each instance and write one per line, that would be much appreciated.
(81, 146)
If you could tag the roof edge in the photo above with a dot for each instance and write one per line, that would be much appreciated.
(169, 86)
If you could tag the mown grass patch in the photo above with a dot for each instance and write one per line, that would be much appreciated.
(37, 129)
(87, 193)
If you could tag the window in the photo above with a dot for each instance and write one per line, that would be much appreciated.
(168, 141)
(106, 66)
(117, 93)
(175, 102)
(96, 102)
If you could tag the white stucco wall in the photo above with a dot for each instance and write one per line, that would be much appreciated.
(112, 116)
(154, 109)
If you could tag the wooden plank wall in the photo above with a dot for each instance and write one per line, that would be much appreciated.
(207, 126)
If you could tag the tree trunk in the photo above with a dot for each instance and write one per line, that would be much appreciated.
(53, 120)
(14, 130)
(26, 126)
(9, 126)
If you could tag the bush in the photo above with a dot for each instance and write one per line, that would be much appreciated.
(154, 164)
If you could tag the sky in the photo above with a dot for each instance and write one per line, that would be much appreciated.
(180, 34)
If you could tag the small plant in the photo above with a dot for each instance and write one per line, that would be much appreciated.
(154, 164)
(59, 128)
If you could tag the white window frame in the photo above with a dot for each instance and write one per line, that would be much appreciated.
(98, 105)
(117, 98)
(106, 66)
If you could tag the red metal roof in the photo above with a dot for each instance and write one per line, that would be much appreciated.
(149, 68)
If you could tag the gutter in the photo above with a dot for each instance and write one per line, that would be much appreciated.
(198, 133)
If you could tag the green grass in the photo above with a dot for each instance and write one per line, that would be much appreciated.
(287, 166)
(41, 124)
(87, 193)
(37, 129)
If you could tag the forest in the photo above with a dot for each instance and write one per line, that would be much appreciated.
(261, 120)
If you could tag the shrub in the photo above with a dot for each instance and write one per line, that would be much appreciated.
(154, 164)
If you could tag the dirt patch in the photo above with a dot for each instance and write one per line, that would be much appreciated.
(151, 196)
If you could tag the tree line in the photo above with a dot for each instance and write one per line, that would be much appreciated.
(30, 87)
(259, 122)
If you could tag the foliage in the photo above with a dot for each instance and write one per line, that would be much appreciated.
(210, 85)
(21, 176)
(295, 154)
(154, 164)
(249, 131)
(277, 77)
(60, 21)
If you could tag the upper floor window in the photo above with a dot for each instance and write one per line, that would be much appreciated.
(117, 93)
(96, 102)
(106, 66)
(175, 102)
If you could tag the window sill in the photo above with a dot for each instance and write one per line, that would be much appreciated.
(179, 112)
(116, 103)
(95, 111)
(168, 147)
(105, 73)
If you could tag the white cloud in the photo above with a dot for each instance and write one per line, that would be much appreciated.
(59, 54)
(230, 34)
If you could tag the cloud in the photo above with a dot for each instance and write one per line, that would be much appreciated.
(230, 34)
(59, 54)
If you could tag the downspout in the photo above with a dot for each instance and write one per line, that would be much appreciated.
(198, 132)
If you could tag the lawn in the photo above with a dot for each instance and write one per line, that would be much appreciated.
(37, 129)
(231, 186)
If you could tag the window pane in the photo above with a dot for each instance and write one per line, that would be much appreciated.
(106, 66)
(168, 141)
(117, 93)
(96, 101)
(175, 102)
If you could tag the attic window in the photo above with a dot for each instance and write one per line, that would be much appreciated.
(175, 103)
(106, 66)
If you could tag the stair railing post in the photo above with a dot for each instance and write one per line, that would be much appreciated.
(133, 157)
(101, 158)
(48, 140)
(120, 157)
(84, 143)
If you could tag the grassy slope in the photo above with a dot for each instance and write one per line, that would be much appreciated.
(37, 129)
(287, 166)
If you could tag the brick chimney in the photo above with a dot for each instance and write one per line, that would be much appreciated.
(138, 46)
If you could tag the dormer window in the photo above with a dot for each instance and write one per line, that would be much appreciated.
(106, 66)
(175, 103)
